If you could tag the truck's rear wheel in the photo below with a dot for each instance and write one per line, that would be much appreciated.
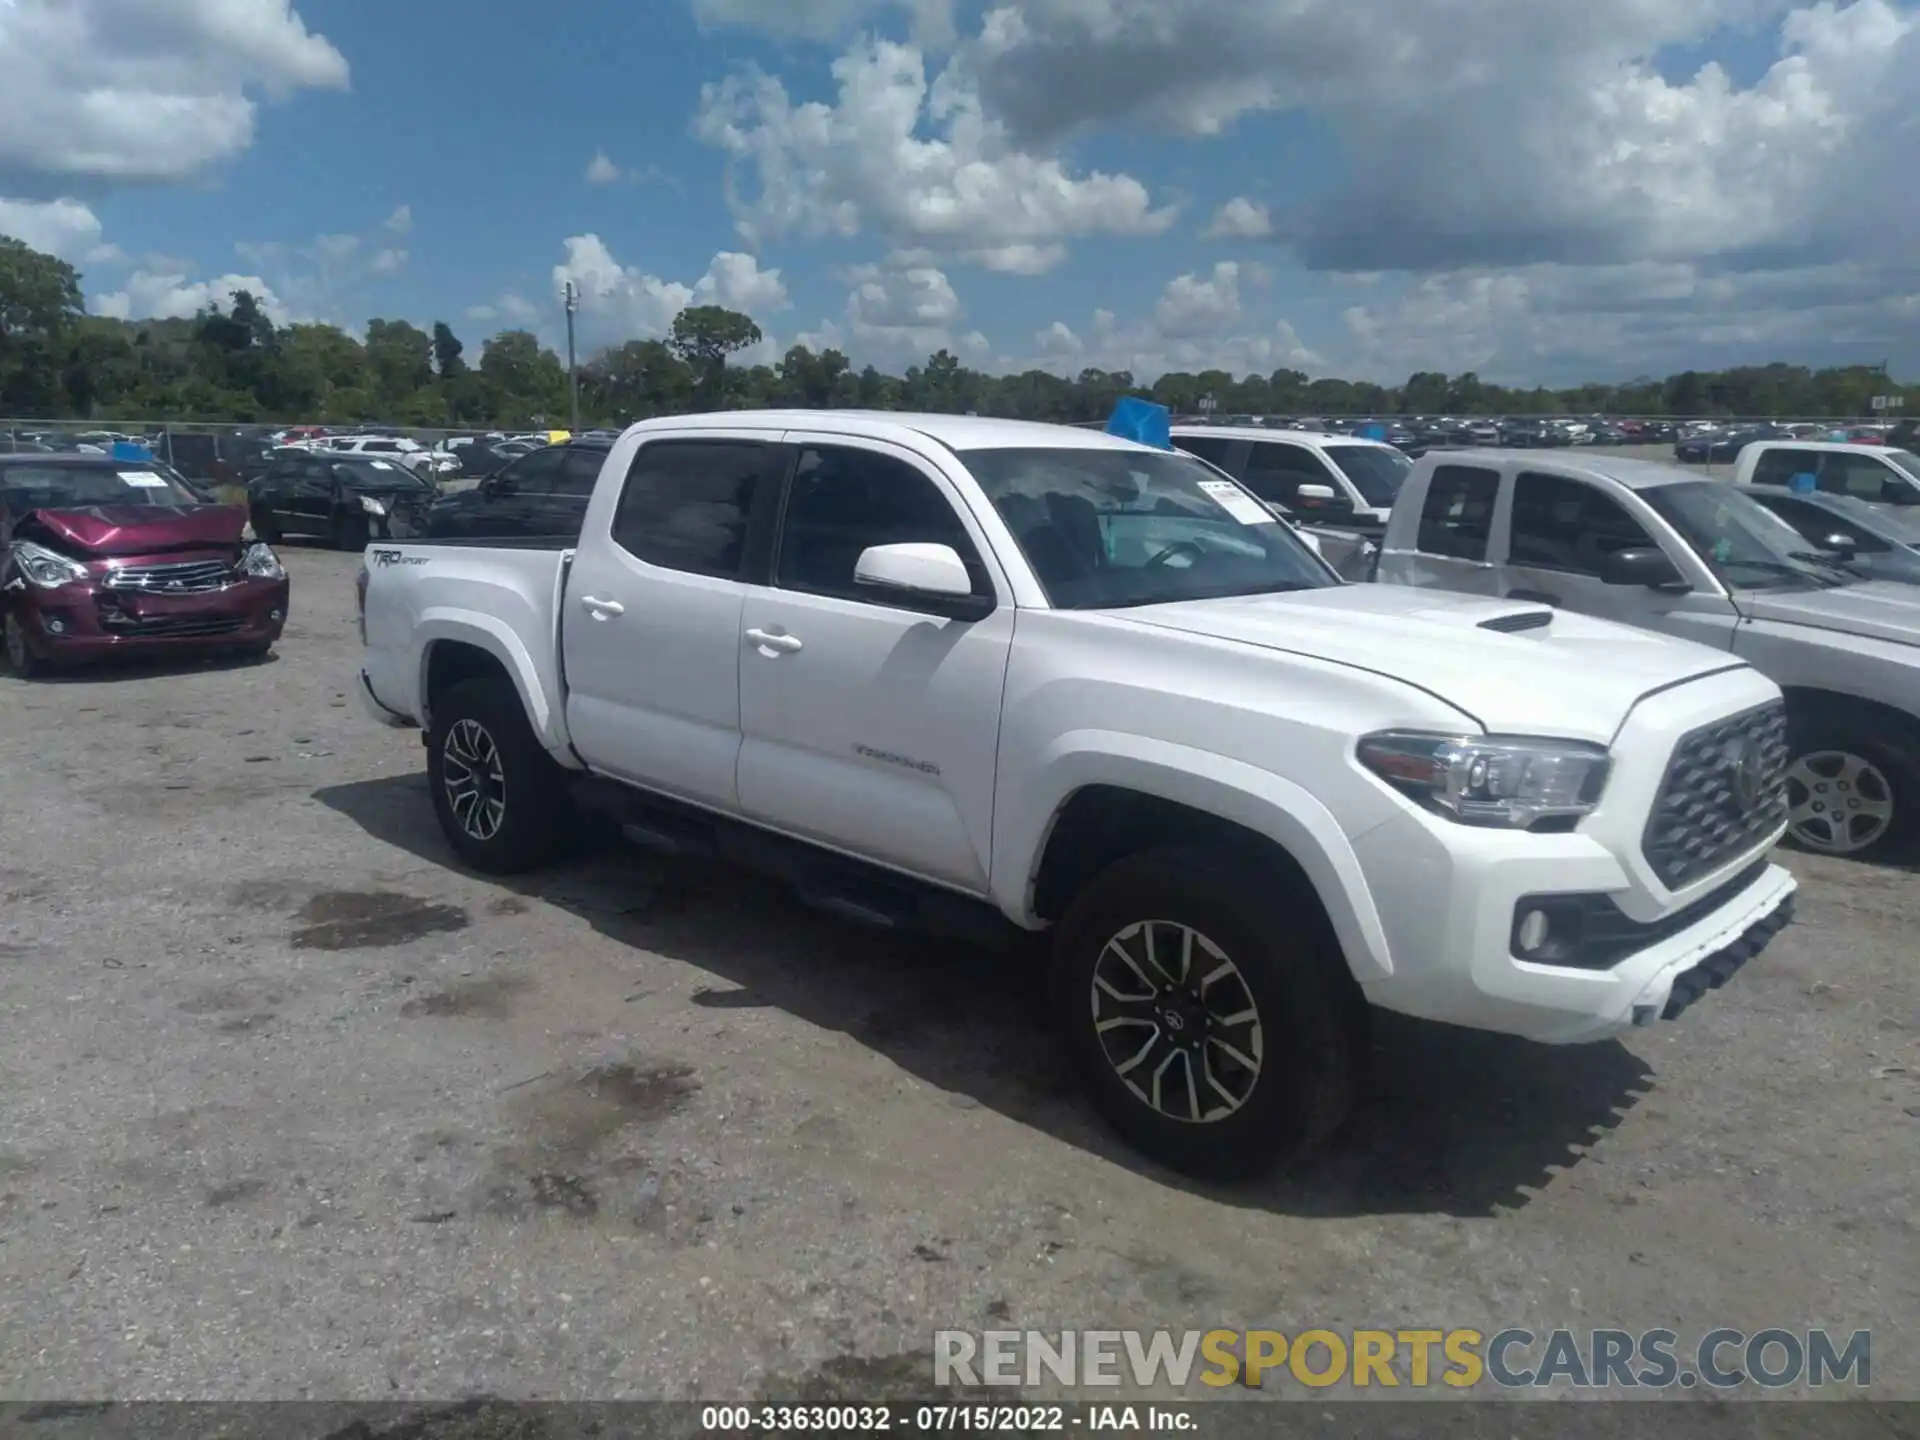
(496, 791)
(1853, 788)
(1216, 1031)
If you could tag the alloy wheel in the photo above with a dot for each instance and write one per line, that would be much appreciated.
(1177, 1021)
(1838, 802)
(476, 783)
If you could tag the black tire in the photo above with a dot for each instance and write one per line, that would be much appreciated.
(1310, 1029)
(1890, 753)
(264, 530)
(480, 719)
(348, 531)
(19, 654)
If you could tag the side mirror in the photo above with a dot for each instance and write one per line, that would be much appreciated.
(933, 575)
(1841, 545)
(497, 484)
(1645, 566)
(1312, 494)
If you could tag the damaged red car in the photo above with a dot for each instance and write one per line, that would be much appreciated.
(108, 557)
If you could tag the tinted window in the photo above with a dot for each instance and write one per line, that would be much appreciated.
(686, 503)
(1210, 448)
(531, 474)
(1109, 528)
(1275, 472)
(844, 500)
(579, 471)
(1457, 518)
(66, 487)
(1862, 476)
(1564, 524)
(1816, 523)
(1778, 467)
(378, 475)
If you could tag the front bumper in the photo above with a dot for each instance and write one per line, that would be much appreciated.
(370, 703)
(76, 624)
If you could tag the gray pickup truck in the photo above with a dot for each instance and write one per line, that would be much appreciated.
(1661, 548)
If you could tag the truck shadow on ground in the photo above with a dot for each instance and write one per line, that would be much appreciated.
(125, 669)
(1456, 1122)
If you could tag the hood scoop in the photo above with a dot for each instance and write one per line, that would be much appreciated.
(1522, 620)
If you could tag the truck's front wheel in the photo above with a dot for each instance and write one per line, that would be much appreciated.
(1214, 1028)
(497, 793)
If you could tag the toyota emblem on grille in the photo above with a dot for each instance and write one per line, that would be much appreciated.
(1742, 759)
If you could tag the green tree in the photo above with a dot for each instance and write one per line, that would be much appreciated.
(704, 336)
(447, 352)
(400, 356)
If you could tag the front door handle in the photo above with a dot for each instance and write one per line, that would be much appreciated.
(769, 640)
(603, 609)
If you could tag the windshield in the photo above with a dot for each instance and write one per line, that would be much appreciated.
(1104, 529)
(379, 475)
(1904, 459)
(1745, 544)
(75, 487)
(1376, 474)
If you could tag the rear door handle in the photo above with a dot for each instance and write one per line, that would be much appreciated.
(603, 609)
(768, 640)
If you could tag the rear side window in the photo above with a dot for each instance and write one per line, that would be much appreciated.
(686, 502)
(1456, 519)
(1214, 449)
(579, 471)
(1778, 467)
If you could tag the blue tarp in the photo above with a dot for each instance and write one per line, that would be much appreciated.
(1142, 420)
(128, 451)
(1802, 484)
(1371, 432)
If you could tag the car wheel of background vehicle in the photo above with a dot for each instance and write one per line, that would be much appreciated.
(264, 529)
(1210, 1014)
(350, 532)
(1853, 788)
(20, 657)
(496, 792)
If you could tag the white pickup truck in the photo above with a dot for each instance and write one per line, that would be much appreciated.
(1657, 546)
(943, 670)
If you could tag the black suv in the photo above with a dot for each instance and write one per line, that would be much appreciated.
(540, 496)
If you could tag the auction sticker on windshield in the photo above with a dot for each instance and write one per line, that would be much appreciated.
(143, 479)
(1236, 502)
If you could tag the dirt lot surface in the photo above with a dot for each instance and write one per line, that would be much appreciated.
(293, 1107)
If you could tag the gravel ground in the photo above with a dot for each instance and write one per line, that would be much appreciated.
(293, 1107)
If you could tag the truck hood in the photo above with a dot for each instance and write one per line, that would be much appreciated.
(1878, 609)
(98, 531)
(1574, 677)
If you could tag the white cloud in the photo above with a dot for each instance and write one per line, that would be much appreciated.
(176, 297)
(602, 171)
(908, 311)
(1241, 219)
(1534, 134)
(64, 228)
(122, 91)
(400, 222)
(515, 310)
(911, 160)
(618, 303)
(1191, 307)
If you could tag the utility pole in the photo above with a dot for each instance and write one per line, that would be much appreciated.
(573, 373)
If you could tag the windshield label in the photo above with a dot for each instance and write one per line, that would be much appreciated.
(1236, 502)
(143, 480)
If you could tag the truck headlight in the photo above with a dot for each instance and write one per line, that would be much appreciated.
(48, 569)
(1509, 781)
(258, 562)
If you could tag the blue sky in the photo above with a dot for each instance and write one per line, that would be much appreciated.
(1360, 187)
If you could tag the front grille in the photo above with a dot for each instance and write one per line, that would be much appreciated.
(196, 577)
(1724, 793)
(171, 627)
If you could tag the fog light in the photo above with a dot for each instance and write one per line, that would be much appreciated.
(1533, 930)
(55, 625)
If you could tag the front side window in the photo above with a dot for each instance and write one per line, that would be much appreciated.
(844, 501)
(1105, 529)
(1560, 523)
(1276, 471)
(531, 475)
(1862, 476)
(1456, 518)
(686, 503)
(579, 472)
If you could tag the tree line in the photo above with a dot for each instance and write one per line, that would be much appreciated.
(233, 363)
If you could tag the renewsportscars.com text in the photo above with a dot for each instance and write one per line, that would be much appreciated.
(1459, 1359)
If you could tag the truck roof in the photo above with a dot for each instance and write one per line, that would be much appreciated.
(1292, 437)
(1634, 474)
(956, 432)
